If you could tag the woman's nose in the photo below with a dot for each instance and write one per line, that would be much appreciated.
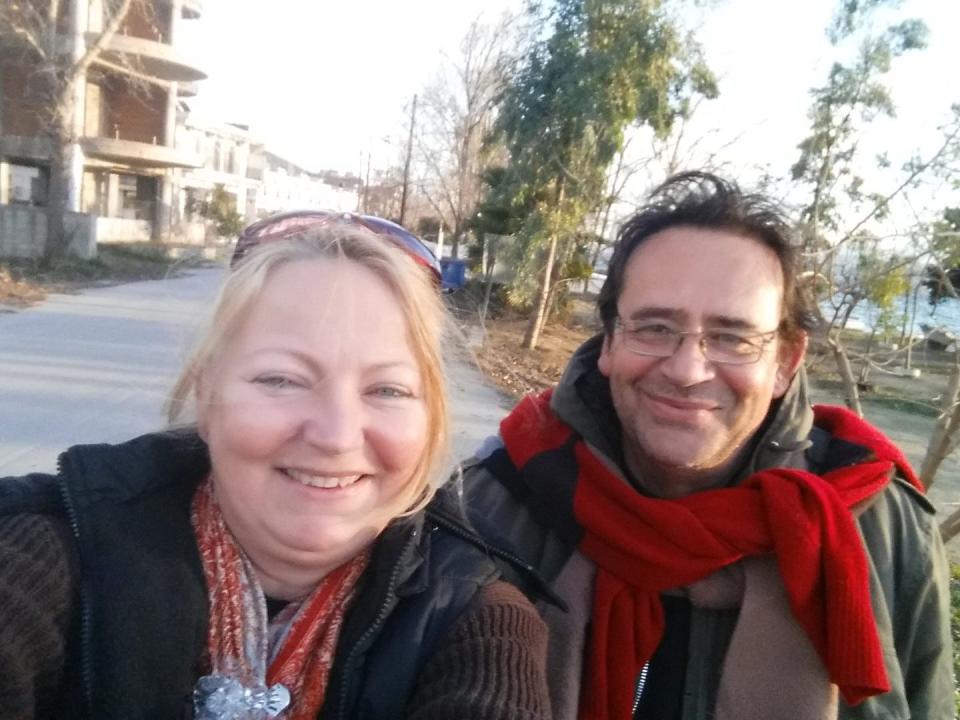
(333, 421)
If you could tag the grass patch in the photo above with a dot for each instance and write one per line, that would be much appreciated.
(26, 280)
(901, 404)
(879, 397)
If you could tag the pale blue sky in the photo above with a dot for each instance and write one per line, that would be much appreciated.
(323, 81)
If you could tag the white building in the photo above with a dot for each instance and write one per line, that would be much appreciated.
(288, 186)
(228, 151)
(259, 181)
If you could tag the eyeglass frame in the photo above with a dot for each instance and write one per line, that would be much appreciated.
(678, 337)
(293, 222)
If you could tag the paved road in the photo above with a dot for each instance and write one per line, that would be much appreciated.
(96, 367)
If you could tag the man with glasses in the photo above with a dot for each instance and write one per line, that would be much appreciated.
(715, 547)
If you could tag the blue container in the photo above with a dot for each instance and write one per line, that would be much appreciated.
(454, 273)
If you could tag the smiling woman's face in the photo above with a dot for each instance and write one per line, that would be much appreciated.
(315, 416)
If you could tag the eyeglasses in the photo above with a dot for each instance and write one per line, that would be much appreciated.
(284, 225)
(727, 347)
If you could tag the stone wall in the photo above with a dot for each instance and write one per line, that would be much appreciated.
(23, 232)
(122, 230)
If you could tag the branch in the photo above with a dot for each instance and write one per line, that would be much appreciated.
(93, 51)
(127, 70)
(23, 20)
(922, 168)
(434, 165)
(31, 40)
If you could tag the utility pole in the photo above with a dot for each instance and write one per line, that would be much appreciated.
(366, 187)
(406, 164)
(360, 184)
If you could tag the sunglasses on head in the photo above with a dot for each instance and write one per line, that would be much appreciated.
(284, 225)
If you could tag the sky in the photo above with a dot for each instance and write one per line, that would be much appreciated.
(322, 81)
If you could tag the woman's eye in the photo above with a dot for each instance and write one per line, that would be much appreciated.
(277, 382)
(391, 392)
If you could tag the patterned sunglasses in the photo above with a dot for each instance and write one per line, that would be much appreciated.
(283, 225)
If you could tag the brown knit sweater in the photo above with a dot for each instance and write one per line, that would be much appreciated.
(492, 665)
(35, 590)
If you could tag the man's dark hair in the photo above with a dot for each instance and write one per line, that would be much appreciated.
(706, 201)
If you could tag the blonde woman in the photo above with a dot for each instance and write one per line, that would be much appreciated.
(283, 553)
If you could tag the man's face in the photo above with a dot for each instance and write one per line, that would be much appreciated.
(684, 414)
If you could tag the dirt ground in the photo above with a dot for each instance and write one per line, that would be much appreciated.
(18, 292)
(25, 281)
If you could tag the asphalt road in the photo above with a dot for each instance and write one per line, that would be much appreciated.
(96, 367)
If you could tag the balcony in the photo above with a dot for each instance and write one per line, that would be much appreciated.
(131, 152)
(23, 147)
(156, 59)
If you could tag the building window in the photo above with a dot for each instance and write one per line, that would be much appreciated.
(95, 192)
(28, 185)
(138, 197)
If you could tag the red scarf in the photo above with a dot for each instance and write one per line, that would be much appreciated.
(299, 643)
(643, 546)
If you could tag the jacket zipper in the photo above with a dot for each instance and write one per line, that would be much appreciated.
(377, 622)
(641, 684)
(86, 663)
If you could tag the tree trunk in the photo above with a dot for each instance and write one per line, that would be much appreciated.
(865, 368)
(56, 241)
(946, 433)
(951, 526)
(851, 396)
(913, 320)
(535, 325)
(455, 243)
(488, 288)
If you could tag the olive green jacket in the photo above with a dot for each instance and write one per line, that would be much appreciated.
(909, 574)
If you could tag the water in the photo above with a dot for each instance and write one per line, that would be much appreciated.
(865, 316)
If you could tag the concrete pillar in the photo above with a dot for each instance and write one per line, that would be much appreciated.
(163, 220)
(74, 159)
(163, 217)
(113, 195)
(170, 117)
(176, 14)
(4, 182)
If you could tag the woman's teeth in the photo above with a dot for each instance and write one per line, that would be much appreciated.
(322, 481)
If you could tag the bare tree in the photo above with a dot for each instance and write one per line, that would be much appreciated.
(56, 43)
(457, 114)
(633, 169)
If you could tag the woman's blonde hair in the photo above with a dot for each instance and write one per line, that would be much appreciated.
(417, 298)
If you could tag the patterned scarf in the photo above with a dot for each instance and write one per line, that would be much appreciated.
(294, 650)
(643, 546)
